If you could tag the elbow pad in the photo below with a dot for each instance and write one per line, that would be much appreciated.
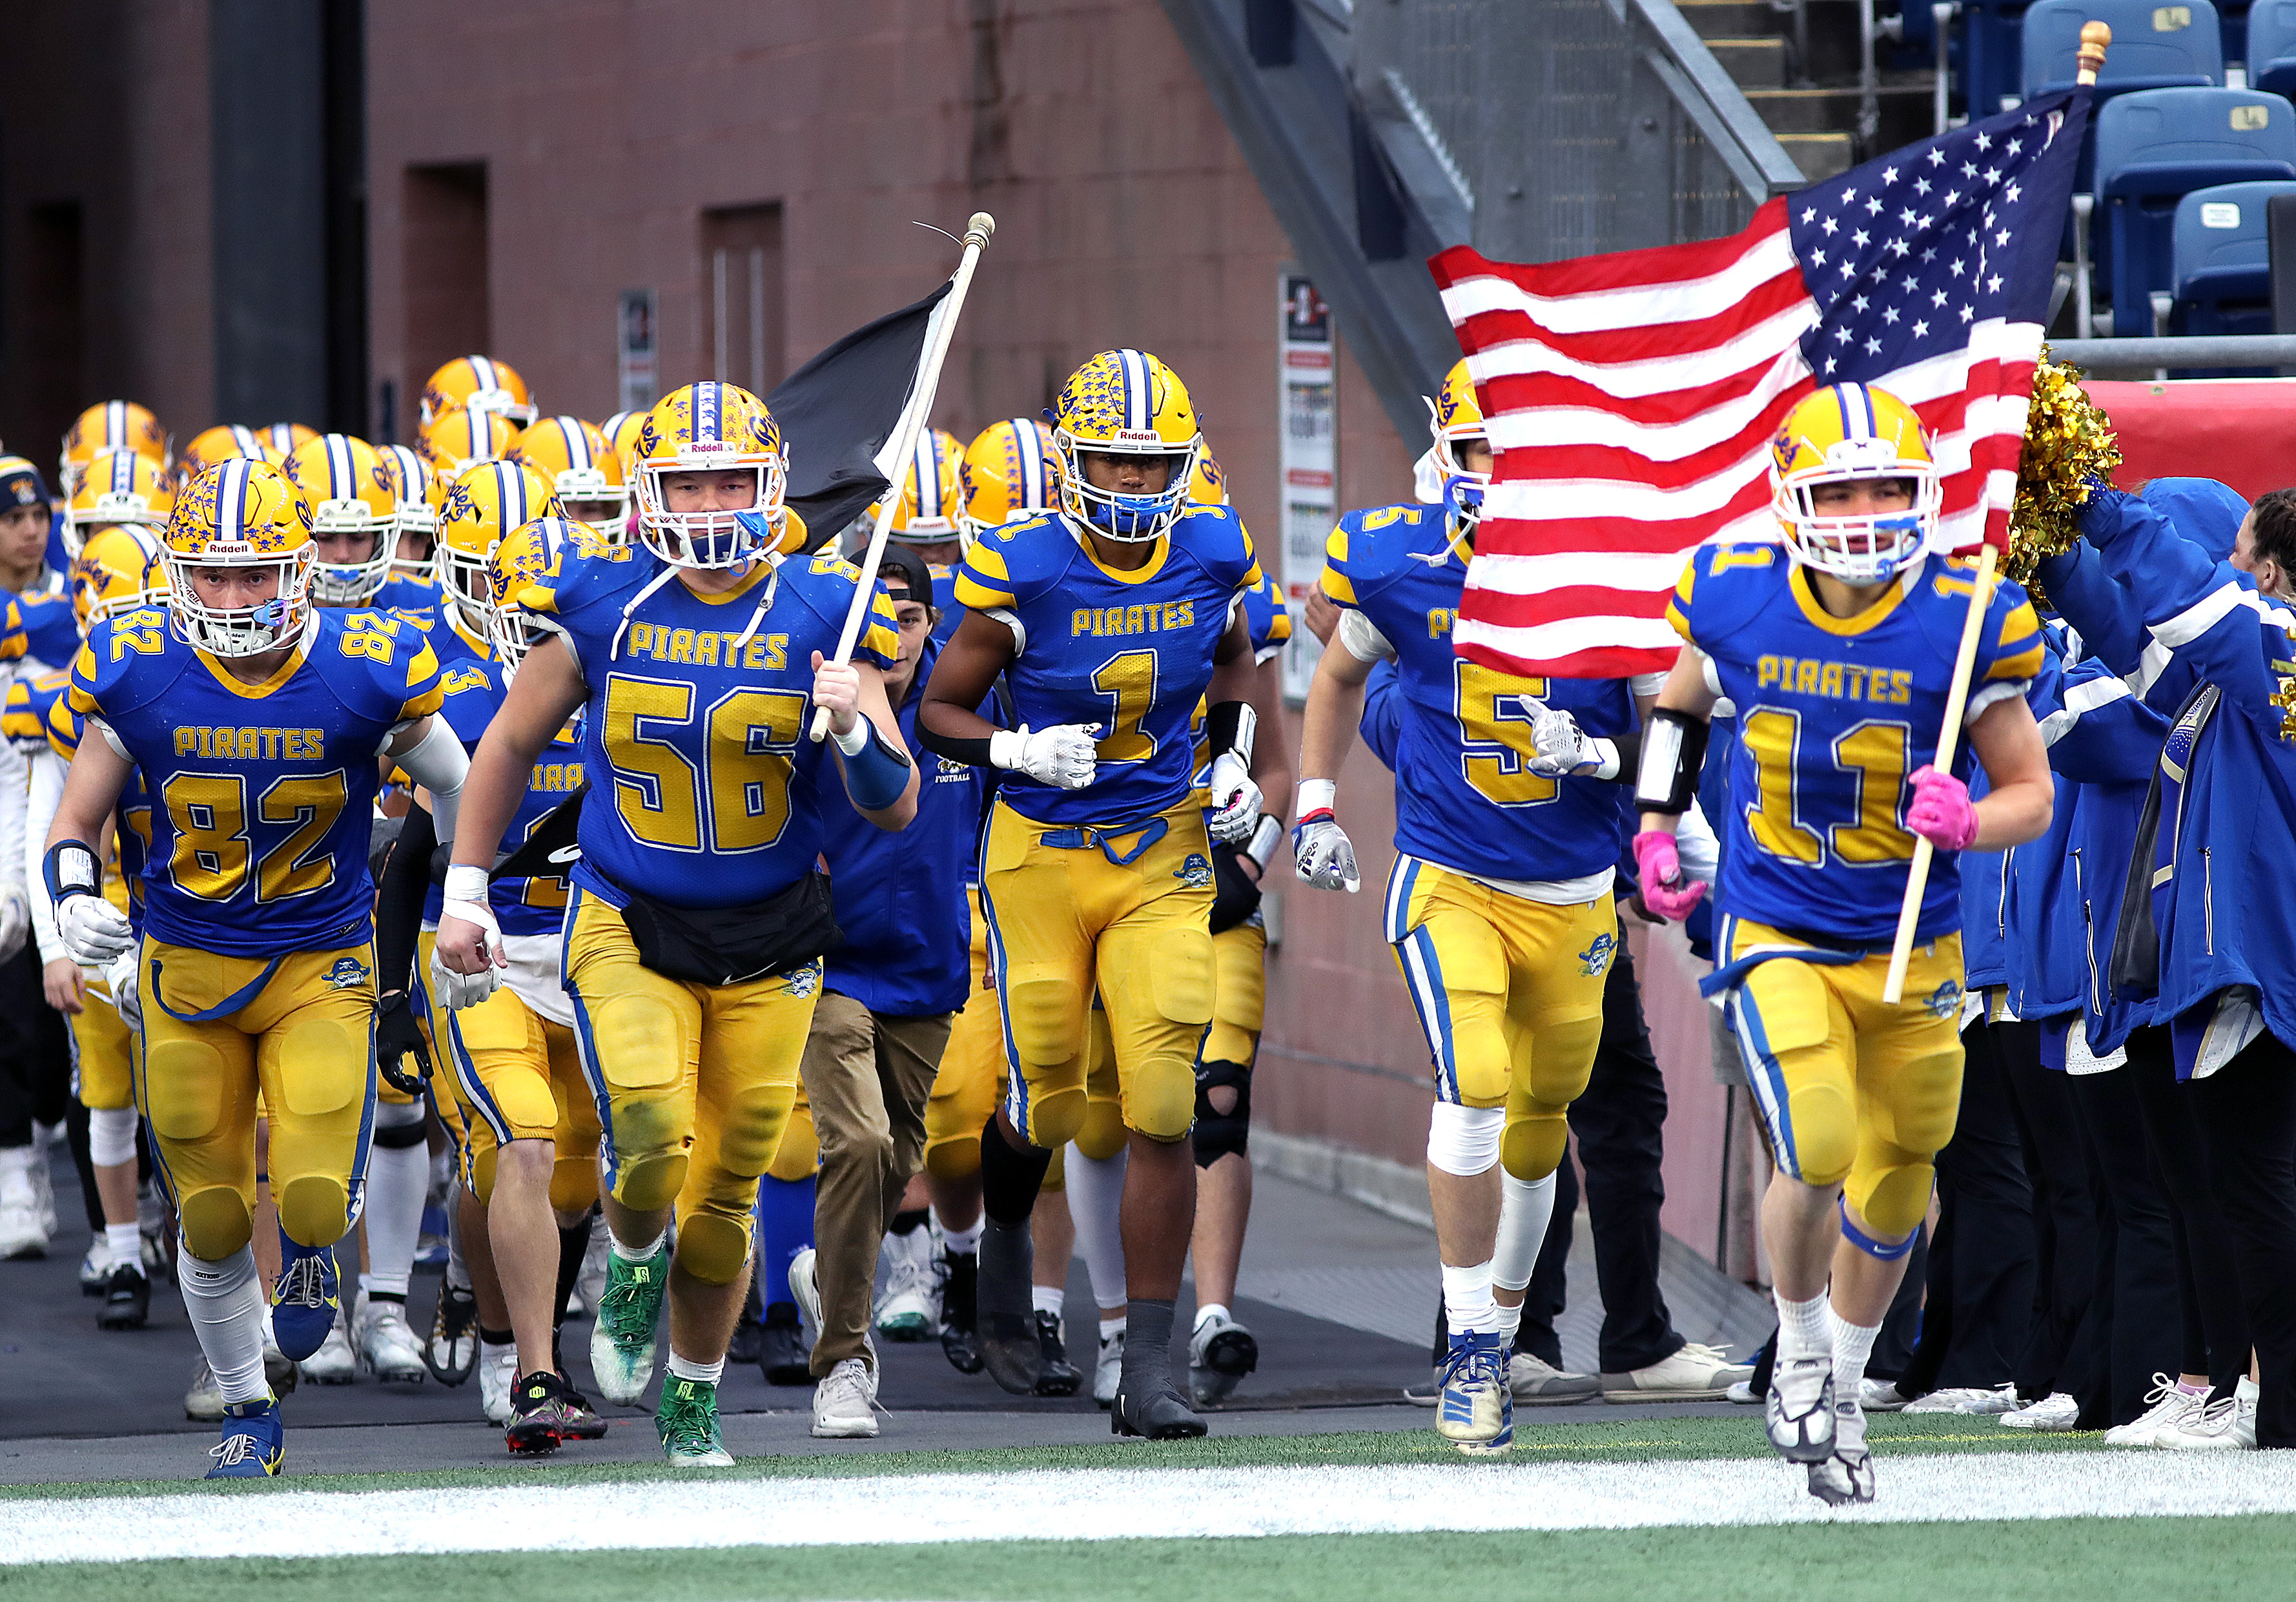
(1674, 751)
(875, 773)
(439, 763)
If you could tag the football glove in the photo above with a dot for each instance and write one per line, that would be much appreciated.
(1235, 800)
(465, 900)
(398, 1038)
(125, 999)
(1062, 756)
(1666, 890)
(1941, 813)
(93, 930)
(1562, 747)
(1321, 854)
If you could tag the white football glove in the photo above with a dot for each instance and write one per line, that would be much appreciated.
(1063, 756)
(1562, 748)
(93, 930)
(1235, 800)
(1321, 854)
(465, 900)
(122, 977)
(15, 921)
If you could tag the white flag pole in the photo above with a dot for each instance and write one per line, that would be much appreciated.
(905, 439)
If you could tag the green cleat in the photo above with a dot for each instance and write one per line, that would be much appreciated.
(687, 1419)
(622, 1342)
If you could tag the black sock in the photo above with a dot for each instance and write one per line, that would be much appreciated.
(910, 1222)
(573, 1243)
(494, 1337)
(1010, 1178)
(1148, 1335)
(397, 1296)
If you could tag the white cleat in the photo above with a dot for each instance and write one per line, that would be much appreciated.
(2167, 1409)
(334, 1363)
(21, 1232)
(910, 1309)
(497, 1373)
(1220, 1352)
(1800, 1413)
(204, 1400)
(590, 1283)
(2054, 1414)
(1978, 1401)
(2228, 1425)
(95, 1266)
(387, 1347)
(845, 1401)
(1845, 1476)
(1109, 1369)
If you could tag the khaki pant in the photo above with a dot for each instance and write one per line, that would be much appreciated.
(867, 1078)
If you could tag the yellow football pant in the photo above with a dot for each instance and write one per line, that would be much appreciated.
(1510, 994)
(1065, 914)
(446, 1100)
(970, 1080)
(1855, 1092)
(696, 1080)
(518, 1077)
(219, 1031)
(103, 1049)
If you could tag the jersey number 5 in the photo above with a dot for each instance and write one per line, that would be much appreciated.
(749, 750)
(1494, 711)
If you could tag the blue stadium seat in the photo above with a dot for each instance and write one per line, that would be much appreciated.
(2272, 46)
(2223, 269)
(2153, 47)
(2232, 25)
(2156, 146)
(1992, 53)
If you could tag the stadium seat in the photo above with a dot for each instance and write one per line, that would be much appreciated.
(1991, 53)
(2153, 47)
(2272, 46)
(2154, 147)
(2222, 264)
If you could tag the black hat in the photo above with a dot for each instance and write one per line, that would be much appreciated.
(905, 573)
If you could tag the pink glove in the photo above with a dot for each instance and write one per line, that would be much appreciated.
(1659, 866)
(1942, 813)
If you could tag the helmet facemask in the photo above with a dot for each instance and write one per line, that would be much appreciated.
(719, 539)
(247, 630)
(1868, 547)
(1128, 519)
(352, 583)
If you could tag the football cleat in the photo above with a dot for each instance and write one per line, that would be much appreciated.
(95, 1266)
(687, 1422)
(452, 1352)
(905, 1312)
(334, 1363)
(386, 1348)
(1108, 1369)
(1845, 1475)
(590, 1284)
(581, 1420)
(254, 1442)
(1005, 1320)
(959, 1288)
(784, 1356)
(304, 1303)
(845, 1401)
(537, 1414)
(622, 1340)
(497, 1377)
(22, 1233)
(203, 1402)
(1476, 1412)
(1801, 1411)
(1220, 1353)
(1060, 1377)
(805, 1288)
(126, 1298)
(1154, 1409)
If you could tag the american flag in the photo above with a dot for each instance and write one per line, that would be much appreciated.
(1632, 398)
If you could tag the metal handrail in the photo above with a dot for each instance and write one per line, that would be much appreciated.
(2187, 350)
(1713, 100)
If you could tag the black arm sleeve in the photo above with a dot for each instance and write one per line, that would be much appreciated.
(1630, 757)
(972, 752)
(399, 909)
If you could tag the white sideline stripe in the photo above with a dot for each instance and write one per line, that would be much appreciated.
(1120, 1504)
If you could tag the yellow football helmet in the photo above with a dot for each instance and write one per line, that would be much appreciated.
(527, 554)
(351, 493)
(1851, 434)
(621, 431)
(287, 437)
(109, 425)
(1125, 403)
(1457, 417)
(478, 383)
(241, 514)
(1010, 471)
(117, 570)
(930, 509)
(1207, 485)
(115, 487)
(454, 438)
(711, 427)
(221, 443)
(582, 468)
(411, 485)
(480, 504)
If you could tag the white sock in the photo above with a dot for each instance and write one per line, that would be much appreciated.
(960, 1240)
(1510, 1321)
(126, 1241)
(632, 1254)
(685, 1368)
(398, 1183)
(1467, 1305)
(1047, 1299)
(1096, 1205)
(1110, 1328)
(228, 1308)
(1525, 1208)
(1210, 1311)
(1802, 1329)
(1852, 1345)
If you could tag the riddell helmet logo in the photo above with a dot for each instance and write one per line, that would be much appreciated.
(700, 447)
(229, 548)
(1138, 436)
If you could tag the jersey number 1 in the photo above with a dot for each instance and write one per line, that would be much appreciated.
(1876, 750)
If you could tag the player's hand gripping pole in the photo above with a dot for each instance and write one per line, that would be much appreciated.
(905, 435)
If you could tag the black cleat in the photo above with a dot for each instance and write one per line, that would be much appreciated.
(960, 1289)
(126, 1298)
(537, 1415)
(782, 1353)
(1156, 1410)
(1060, 1377)
(452, 1352)
(582, 1422)
(1007, 1324)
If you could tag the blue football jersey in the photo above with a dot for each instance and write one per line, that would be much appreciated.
(1131, 651)
(1833, 713)
(51, 627)
(1268, 623)
(473, 692)
(40, 717)
(404, 592)
(943, 628)
(704, 788)
(264, 794)
(1463, 797)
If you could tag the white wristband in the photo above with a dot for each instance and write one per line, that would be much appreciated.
(853, 739)
(1265, 836)
(1605, 753)
(1005, 747)
(1314, 795)
(466, 884)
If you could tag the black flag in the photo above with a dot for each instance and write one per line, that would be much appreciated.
(838, 410)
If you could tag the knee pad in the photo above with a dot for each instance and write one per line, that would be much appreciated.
(314, 1210)
(184, 1091)
(1052, 1117)
(712, 1248)
(482, 1172)
(1892, 1201)
(397, 1125)
(755, 1118)
(952, 1157)
(651, 1180)
(1823, 1132)
(1159, 1101)
(798, 1157)
(574, 1183)
(1046, 1018)
(1103, 1134)
(110, 1136)
(1464, 1141)
(1888, 1251)
(1536, 1136)
(1219, 1133)
(214, 1223)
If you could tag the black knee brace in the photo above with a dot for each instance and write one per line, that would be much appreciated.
(399, 1137)
(1219, 1133)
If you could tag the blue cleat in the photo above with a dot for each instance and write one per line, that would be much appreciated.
(1476, 1410)
(304, 1304)
(254, 1442)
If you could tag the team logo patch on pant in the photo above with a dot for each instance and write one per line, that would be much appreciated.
(804, 982)
(1597, 956)
(1195, 873)
(348, 974)
(1945, 1001)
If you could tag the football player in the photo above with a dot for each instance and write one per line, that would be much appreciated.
(1837, 647)
(254, 719)
(110, 426)
(454, 438)
(1499, 905)
(115, 487)
(219, 444)
(696, 925)
(416, 524)
(1109, 619)
(354, 517)
(477, 384)
(582, 470)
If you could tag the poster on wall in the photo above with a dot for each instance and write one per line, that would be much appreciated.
(1307, 462)
(636, 365)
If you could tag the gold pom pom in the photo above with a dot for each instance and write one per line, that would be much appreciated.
(2067, 442)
